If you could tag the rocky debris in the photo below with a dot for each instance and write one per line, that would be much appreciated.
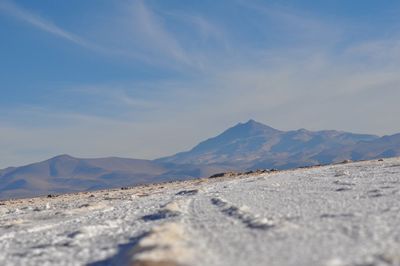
(311, 166)
(187, 192)
(258, 171)
(227, 174)
(251, 172)
(162, 214)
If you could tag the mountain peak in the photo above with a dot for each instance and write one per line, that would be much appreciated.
(239, 132)
(63, 157)
(254, 127)
(252, 121)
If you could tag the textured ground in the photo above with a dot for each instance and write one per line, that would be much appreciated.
(347, 214)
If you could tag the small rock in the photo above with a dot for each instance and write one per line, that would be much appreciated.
(187, 192)
(227, 174)
(217, 175)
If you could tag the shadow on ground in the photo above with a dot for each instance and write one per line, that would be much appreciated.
(124, 253)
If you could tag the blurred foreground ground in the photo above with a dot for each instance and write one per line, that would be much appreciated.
(346, 214)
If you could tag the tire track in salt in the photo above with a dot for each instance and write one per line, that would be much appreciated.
(249, 219)
(165, 244)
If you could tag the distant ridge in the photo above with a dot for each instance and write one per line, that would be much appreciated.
(245, 146)
(255, 145)
(65, 173)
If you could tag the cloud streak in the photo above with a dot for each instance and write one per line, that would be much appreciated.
(152, 30)
(149, 30)
(321, 80)
(28, 17)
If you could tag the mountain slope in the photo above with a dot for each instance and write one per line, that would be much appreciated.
(387, 146)
(246, 139)
(384, 147)
(246, 146)
(68, 174)
(64, 173)
(254, 145)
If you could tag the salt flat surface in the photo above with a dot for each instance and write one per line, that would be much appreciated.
(339, 215)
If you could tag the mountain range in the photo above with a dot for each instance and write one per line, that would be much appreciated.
(245, 146)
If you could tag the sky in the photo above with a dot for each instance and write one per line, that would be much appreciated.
(146, 79)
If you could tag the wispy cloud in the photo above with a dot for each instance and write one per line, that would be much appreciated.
(378, 51)
(315, 76)
(24, 15)
(154, 34)
(149, 31)
(204, 26)
(300, 26)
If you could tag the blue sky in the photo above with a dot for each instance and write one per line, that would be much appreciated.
(150, 78)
